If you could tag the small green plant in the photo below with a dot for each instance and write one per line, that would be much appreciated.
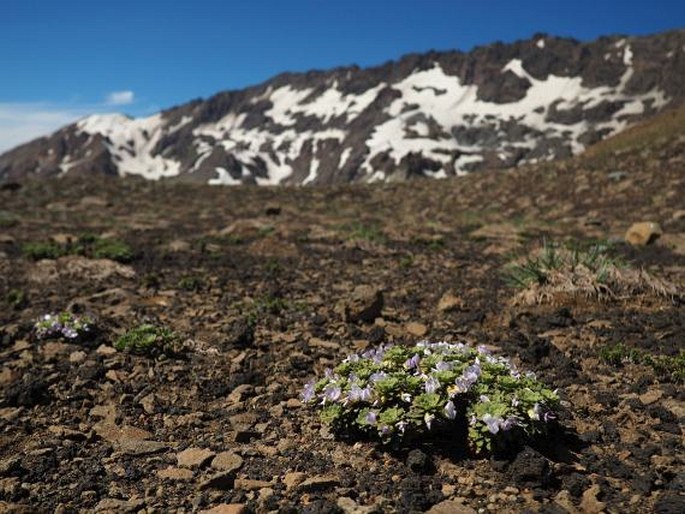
(556, 259)
(87, 245)
(664, 366)
(43, 250)
(393, 392)
(358, 231)
(7, 219)
(112, 249)
(16, 298)
(148, 340)
(190, 283)
(64, 325)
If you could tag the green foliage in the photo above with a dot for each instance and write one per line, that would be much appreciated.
(7, 219)
(393, 392)
(16, 298)
(87, 245)
(665, 367)
(112, 249)
(191, 283)
(148, 340)
(43, 250)
(554, 258)
(358, 231)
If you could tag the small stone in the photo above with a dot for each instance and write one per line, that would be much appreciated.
(77, 357)
(112, 505)
(227, 461)
(530, 469)
(416, 329)
(651, 396)
(643, 233)
(247, 484)
(318, 483)
(113, 433)
(451, 507)
(272, 210)
(194, 457)
(172, 473)
(417, 461)
(136, 448)
(349, 506)
(293, 479)
(223, 481)
(226, 508)
(448, 302)
(178, 245)
(364, 304)
(589, 503)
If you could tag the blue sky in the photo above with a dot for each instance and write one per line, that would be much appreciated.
(64, 59)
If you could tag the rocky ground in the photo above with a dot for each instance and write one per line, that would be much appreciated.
(258, 281)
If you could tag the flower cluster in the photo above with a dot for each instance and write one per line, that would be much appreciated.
(393, 391)
(63, 325)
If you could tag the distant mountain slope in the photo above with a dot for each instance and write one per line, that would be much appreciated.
(435, 114)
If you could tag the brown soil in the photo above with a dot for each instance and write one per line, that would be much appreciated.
(86, 428)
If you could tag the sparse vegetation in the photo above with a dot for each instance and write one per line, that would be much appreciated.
(553, 259)
(191, 283)
(149, 340)
(664, 366)
(358, 231)
(559, 272)
(87, 245)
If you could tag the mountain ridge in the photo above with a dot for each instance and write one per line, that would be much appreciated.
(434, 114)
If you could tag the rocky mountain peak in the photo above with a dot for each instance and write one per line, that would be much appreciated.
(435, 114)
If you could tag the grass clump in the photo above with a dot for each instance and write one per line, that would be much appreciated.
(664, 366)
(556, 273)
(149, 340)
(112, 249)
(553, 259)
(397, 392)
(358, 231)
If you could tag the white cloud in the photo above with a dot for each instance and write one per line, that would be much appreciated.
(120, 98)
(23, 122)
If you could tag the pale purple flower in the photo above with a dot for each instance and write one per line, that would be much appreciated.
(431, 385)
(413, 362)
(493, 422)
(443, 366)
(359, 394)
(378, 376)
(332, 393)
(401, 426)
(308, 392)
(352, 358)
(384, 430)
(509, 423)
(371, 418)
(450, 410)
